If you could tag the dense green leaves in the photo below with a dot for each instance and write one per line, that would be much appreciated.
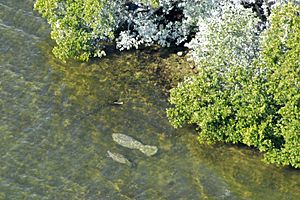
(258, 106)
(78, 27)
(280, 61)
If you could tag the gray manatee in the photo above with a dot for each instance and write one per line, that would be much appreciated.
(119, 158)
(131, 143)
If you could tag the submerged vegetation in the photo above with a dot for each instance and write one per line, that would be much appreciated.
(246, 88)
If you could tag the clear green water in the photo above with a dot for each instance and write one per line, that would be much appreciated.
(57, 120)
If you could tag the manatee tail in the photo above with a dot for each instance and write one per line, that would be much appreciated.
(148, 150)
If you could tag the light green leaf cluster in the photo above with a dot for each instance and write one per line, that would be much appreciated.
(152, 3)
(78, 26)
(280, 66)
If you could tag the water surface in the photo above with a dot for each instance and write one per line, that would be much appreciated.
(57, 120)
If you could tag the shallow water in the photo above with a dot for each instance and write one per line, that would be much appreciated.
(57, 120)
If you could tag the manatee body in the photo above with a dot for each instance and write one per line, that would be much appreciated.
(126, 141)
(148, 150)
(213, 185)
(119, 158)
(131, 143)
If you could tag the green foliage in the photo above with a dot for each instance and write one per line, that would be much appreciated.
(78, 26)
(280, 63)
(257, 106)
(209, 100)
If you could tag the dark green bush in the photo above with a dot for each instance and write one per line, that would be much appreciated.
(257, 106)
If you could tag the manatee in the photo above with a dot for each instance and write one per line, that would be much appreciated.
(213, 185)
(126, 141)
(119, 158)
(131, 143)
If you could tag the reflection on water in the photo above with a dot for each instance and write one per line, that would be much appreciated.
(57, 120)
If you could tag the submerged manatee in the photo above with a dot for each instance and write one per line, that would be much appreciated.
(213, 185)
(131, 143)
(119, 158)
(126, 141)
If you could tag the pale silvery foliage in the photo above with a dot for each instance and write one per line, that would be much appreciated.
(127, 41)
(193, 10)
(226, 32)
(148, 28)
(229, 37)
(144, 28)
